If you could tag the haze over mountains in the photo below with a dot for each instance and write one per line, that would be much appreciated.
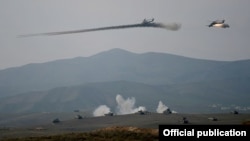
(184, 84)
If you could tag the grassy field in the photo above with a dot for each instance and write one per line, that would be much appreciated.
(132, 127)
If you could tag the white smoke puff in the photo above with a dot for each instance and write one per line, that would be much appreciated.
(161, 107)
(101, 110)
(171, 26)
(174, 112)
(141, 108)
(127, 106)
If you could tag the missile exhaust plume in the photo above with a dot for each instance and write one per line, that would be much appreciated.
(172, 26)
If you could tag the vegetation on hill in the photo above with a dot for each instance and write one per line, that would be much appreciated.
(106, 134)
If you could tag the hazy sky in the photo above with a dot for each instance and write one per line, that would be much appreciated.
(194, 39)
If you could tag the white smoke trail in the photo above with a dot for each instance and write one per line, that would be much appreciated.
(171, 26)
(127, 106)
(161, 107)
(101, 110)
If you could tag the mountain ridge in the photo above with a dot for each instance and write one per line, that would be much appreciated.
(112, 65)
(85, 82)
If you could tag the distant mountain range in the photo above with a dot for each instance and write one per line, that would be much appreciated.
(185, 84)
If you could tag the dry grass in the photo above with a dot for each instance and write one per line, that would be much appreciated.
(106, 134)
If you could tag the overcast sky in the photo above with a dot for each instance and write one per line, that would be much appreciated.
(194, 39)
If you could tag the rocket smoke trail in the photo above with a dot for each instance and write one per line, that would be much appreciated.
(173, 27)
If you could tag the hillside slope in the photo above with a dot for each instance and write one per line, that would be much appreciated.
(184, 84)
(113, 65)
(190, 97)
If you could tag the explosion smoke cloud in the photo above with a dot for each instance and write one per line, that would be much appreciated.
(124, 106)
(127, 106)
(172, 26)
(101, 110)
(161, 107)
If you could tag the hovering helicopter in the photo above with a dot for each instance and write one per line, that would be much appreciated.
(219, 23)
(147, 21)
